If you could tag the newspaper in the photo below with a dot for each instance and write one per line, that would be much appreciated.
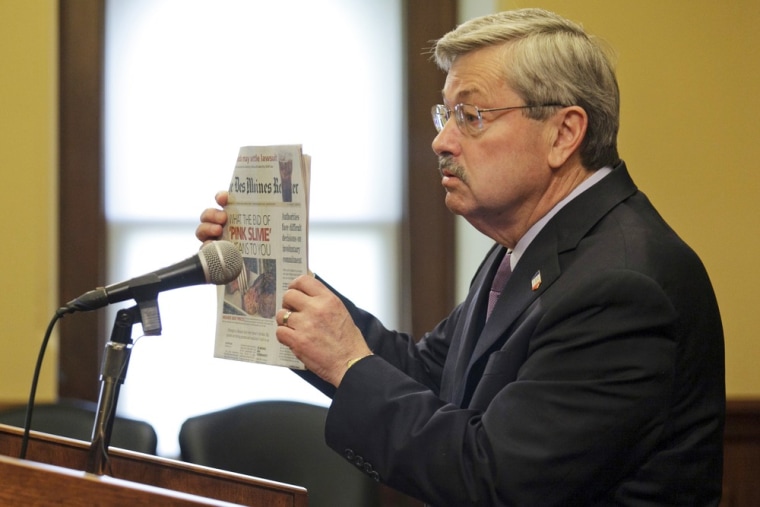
(267, 219)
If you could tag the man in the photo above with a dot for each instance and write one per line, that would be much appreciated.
(597, 378)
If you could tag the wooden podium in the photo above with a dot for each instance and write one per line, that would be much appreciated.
(52, 474)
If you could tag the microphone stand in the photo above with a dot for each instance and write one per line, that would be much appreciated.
(113, 371)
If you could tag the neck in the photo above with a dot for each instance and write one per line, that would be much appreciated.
(562, 183)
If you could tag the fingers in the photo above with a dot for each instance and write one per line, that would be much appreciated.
(299, 295)
(208, 232)
(222, 198)
(213, 219)
(214, 216)
(212, 223)
(315, 325)
(282, 317)
(294, 300)
(309, 285)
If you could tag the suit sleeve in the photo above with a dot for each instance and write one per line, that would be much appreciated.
(421, 361)
(587, 404)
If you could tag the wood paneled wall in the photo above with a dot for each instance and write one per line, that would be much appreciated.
(741, 461)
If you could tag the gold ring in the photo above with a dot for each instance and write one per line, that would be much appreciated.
(286, 317)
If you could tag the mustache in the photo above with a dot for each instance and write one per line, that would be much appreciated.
(448, 165)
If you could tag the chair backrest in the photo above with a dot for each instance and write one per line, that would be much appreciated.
(76, 418)
(281, 441)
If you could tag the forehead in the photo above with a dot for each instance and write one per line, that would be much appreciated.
(478, 77)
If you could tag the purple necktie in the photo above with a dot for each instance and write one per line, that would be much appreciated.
(499, 281)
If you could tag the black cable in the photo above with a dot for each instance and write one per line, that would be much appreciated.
(35, 379)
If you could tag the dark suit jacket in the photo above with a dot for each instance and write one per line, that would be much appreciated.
(604, 385)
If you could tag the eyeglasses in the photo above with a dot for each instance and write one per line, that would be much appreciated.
(469, 118)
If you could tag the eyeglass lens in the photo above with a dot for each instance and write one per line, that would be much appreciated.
(467, 117)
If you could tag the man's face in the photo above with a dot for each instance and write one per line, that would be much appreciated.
(495, 179)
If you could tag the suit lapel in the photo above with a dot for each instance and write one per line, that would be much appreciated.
(517, 295)
(542, 258)
(469, 327)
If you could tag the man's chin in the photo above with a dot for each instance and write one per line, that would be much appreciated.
(453, 203)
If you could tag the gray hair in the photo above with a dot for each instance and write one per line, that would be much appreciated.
(548, 60)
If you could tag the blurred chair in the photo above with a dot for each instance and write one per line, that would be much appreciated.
(76, 418)
(281, 441)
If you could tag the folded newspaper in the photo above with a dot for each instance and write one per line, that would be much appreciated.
(267, 219)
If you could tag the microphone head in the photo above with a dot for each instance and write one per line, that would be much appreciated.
(222, 262)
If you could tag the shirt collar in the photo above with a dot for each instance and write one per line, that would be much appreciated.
(528, 237)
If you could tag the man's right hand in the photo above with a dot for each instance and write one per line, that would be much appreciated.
(213, 220)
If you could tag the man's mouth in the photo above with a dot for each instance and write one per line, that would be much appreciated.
(450, 169)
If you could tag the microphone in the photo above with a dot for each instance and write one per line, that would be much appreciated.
(218, 262)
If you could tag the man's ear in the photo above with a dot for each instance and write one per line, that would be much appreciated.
(569, 126)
